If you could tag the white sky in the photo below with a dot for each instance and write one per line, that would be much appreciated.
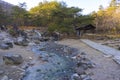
(87, 5)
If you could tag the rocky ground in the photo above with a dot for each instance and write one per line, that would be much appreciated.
(36, 60)
(14, 72)
(70, 59)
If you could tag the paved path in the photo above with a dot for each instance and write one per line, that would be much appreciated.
(104, 49)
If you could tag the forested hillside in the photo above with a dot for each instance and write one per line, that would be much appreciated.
(7, 7)
(108, 19)
(57, 16)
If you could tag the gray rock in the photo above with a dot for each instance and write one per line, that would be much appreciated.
(66, 50)
(24, 43)
(42, 49)
(75, 77)
(12, 59)
(44, 39)
(10, 44)
(85, 77)
(83, 53)
(91, 64)
(1, 72)
(117, 59)
(5, 77)
(4, 46)
(119, 48)
(1, 38)
(17, 42)
(25, 66)
(44, 57)
(31, 44)
(79, 70)
(21, 41)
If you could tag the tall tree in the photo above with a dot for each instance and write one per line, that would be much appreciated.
(107, 19)
(112, 3)
(3, 16)
(19, 14)
(55, 15)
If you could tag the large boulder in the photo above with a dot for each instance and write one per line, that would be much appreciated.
(75, 76)
(21, 41)
(5, 77)
(10, 44)
(12, 59)
(4, 46)
(42, 39)
(34, 35)
(8, 41)
(56, 36)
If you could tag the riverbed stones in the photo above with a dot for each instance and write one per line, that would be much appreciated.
(5, 77)
(117, 59)
(83, 53)
(10, 44)
(21, 41)
(31, 44)
(6, 44)
(85, 77)
(79, 70)
(12, 59)
(1, 72)
(43, 39)
(42, 49)
(75, 76)
(43, 56)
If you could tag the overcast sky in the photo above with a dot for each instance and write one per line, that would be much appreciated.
(87, 5)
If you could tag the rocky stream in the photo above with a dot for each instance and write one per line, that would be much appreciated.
(49, 61)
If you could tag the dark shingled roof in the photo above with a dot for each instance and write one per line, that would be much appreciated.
(86, 27)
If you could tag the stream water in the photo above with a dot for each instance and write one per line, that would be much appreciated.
(49, 66)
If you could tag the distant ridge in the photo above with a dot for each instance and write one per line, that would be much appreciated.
(7, 7)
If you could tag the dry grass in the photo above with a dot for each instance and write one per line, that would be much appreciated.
(30, 28)
(104, 36)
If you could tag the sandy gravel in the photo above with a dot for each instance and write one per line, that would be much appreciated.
(106, 68)
(25, 52)
(14, 72)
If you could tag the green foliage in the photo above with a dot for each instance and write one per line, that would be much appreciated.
(107, 20)
(52, 28)
(19, 14)
(3, 16)
(43, 11)
(84, 20)
(55, 15)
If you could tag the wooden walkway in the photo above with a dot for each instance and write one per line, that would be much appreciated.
(104, 49)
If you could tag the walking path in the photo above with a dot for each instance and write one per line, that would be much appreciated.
(104, 49)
